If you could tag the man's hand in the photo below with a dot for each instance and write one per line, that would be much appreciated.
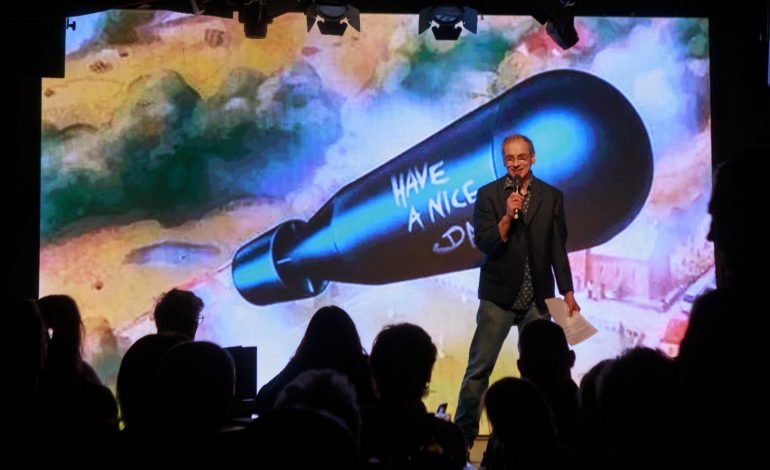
(572, 305)
(514, 204)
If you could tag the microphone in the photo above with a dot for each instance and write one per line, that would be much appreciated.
(516, 187)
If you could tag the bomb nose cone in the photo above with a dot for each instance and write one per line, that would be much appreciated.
(589, 142)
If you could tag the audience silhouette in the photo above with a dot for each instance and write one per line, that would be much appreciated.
(331, 341)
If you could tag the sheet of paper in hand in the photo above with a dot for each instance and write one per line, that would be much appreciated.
(576, 328)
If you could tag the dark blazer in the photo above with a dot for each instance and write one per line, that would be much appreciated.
(542, 234)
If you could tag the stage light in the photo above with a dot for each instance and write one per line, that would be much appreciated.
(198, 7)
(332, 14)
(447, 19)
(255, 19)
(559, 20)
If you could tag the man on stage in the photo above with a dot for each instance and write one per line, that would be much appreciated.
(519, 224)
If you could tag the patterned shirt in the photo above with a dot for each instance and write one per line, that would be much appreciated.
(527, 290)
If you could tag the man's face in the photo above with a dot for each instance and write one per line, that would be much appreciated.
(517, 158)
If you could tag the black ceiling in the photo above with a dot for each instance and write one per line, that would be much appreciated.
(59, 8)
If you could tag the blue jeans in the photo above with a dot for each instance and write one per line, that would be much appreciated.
(492, 326)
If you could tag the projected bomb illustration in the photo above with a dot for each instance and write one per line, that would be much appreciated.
(412, 217)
